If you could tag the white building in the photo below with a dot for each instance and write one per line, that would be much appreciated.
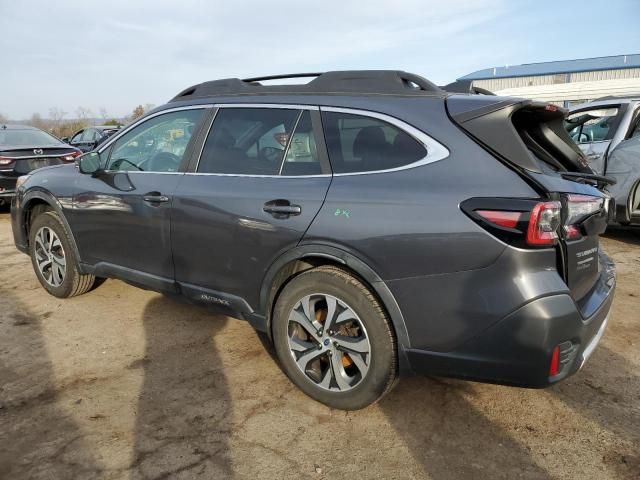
(566, 82)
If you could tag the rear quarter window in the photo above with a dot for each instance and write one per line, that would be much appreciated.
(357, 143)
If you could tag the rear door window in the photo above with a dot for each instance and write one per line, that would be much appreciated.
(302, 153)
(358, 143)
(248, 141)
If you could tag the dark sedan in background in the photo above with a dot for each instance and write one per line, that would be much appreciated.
(89, 138)
(23, 149)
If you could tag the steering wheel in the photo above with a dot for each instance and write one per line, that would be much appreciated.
(164, 162)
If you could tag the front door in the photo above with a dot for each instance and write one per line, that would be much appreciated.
(121, 216)
(261, 179)
(592, 130)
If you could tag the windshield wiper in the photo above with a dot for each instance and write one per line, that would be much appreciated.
(599, 180)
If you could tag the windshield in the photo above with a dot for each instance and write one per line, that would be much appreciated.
(28, 138)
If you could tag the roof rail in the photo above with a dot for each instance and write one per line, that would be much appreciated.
(465, 86)
(389, 82)
(282, 76)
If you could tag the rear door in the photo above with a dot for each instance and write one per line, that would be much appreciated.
(260, 180)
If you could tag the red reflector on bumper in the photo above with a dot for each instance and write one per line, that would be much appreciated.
(554, 367)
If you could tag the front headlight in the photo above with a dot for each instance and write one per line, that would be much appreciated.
(21, 180)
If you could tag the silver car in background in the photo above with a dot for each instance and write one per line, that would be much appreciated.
(608, 132)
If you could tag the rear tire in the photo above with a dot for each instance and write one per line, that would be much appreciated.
(54, 259)
(345, 356)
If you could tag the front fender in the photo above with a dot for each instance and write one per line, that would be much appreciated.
(23, 204)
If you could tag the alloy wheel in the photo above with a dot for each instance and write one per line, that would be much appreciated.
(329, 342)
(50, 257)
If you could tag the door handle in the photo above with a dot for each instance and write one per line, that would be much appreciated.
(282, 208)
(154, 197)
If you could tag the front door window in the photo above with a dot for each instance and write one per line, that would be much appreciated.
(156, 145)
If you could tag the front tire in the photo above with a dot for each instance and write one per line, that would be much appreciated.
(334, 340)
(54, 259)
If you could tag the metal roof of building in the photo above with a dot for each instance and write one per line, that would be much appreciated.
(563, 66)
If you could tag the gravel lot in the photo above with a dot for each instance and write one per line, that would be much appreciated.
(124, 383)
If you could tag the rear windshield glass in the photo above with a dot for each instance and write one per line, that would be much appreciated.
(27, 138)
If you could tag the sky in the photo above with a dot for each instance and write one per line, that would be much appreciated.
(111, 56)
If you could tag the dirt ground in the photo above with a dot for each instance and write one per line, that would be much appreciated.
(124, 383)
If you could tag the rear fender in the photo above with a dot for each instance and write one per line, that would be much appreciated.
(350, 262)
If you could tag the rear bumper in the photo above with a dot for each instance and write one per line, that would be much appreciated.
(7, 194)
(518, 349)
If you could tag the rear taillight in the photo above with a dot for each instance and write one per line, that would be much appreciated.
(72, 156)
(543, 224)
(517, 221)
(501, 218)
(533, 223)
(4, 161)
(579, 208)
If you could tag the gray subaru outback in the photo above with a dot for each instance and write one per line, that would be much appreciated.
(370, 223)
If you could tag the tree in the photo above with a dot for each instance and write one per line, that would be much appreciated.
(83, 114)
(65, 128)
(56, 114)
(112, 121)
(3, 119)
(37, 121)
(137, 112)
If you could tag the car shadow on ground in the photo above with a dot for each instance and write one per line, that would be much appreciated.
(37, 438)
(605, 392)
(449, 438)
(624, 234)
(184, 411)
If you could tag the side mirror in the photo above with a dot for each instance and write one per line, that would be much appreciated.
(65, 139)
(89, 163)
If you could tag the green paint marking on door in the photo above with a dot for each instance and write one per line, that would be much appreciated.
(342, 212)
